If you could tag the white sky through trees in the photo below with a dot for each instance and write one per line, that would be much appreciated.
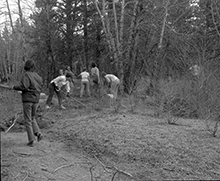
(27, 6)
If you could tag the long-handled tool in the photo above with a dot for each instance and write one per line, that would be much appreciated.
(5, 86)
(16, 117)
(8, 87)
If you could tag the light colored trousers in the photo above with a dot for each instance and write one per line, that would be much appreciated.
(84, 85)
(114, 88)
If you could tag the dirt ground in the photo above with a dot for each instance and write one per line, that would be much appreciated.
(90, 141)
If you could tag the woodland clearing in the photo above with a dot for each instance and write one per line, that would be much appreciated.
(90, 141)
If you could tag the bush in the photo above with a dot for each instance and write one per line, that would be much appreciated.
(10, 104)
(177, 98)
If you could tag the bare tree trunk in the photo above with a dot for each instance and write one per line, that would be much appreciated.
(213, 19)
(113, 49)
(98, 40)
(50, 57)
(163, 25)
(131, 50)
(132, 31)
(85, 29)
(9, 13)
(114, 34)
(120, 50)
(122, 22)
(69, 31)
(116, 27)
(7, 58)
(22, 32)
(158, 65)
(114, 42)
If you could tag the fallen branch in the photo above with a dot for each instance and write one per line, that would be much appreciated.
(16, 117)
(114, 168)
(90, 170)
(113, 177)
(80, 102)
(25, 154)
(17, 175)
(25, 177)
(104, 166)
(5, 86)
(123, 172)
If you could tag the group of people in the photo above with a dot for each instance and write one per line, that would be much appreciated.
(31, 87)
(62, 84)
(110, 80)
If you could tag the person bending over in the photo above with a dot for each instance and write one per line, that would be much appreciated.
(113, 82)
(56, 85)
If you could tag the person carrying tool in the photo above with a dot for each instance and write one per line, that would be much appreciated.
(30, 86)
(57, 85)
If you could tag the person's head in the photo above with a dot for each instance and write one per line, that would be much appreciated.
(68, 75)
(68, 68)
(93, 65)
(61, 71)
(103, 74)
(84, 69)
(29, 65)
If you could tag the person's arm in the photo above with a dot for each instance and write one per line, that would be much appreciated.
(107, 79)
(58, 79)
(92, 72)
(107, 83)
(98, 75)
(79, 76)
(87, 76)
(24, 84)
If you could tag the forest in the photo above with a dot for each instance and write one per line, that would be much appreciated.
(166, 54)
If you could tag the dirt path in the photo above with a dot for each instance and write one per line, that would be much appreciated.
(47, 160)
(94, 143)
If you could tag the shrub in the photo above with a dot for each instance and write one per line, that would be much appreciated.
(10, 104)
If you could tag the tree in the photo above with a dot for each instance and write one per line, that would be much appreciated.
(46, 31)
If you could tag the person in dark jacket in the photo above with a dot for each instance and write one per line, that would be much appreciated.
(30, 86)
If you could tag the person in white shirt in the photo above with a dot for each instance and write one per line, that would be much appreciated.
(55, 86)
(85, 82)
(113, 82)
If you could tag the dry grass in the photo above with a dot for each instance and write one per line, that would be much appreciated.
(136, 142)
(10, 104)
(145, 146)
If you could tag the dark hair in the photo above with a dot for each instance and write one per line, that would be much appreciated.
(84, 68)
(29, 65)
(68, 75)
(103, 74)
(93, 64)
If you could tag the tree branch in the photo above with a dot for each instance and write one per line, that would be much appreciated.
(213, 19)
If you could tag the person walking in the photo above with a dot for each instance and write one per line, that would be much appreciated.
(70, 80)
(30, 86)
(84, 82)
(56, 85)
